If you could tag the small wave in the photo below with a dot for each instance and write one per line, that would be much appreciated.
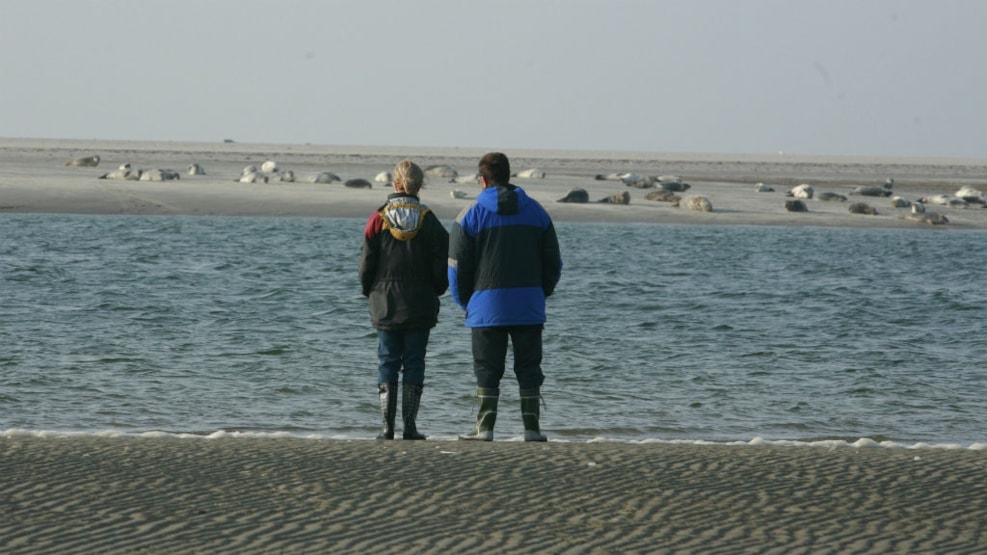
(831, 444)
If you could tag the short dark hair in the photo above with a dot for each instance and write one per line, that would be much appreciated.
(495, 167)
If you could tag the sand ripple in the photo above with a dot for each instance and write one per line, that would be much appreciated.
(165, 495)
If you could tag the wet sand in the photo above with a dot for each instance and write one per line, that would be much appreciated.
(169, 495)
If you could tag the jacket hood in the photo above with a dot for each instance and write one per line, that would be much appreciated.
(403, 215)
(503, 199)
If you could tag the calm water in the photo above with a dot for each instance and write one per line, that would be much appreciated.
(255, 325)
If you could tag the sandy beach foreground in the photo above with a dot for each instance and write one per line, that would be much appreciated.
(35, 179)
(168, 495)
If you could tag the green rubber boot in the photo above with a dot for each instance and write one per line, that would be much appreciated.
(530, 412)
(486, 416)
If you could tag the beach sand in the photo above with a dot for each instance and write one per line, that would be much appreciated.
(237, 495)
(34, 178)
(221, 495)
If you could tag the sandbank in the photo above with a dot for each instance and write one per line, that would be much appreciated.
(34, 179)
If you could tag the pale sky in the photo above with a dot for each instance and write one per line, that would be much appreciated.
(829, 77)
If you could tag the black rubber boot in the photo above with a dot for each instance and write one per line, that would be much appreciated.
(388, 407)
(411, 399)
(486, 416)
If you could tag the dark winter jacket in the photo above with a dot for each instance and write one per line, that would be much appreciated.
(403, 264)
(504, 259)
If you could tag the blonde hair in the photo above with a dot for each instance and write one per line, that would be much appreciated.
(408, 177)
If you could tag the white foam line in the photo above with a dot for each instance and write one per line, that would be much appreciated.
(862, 443)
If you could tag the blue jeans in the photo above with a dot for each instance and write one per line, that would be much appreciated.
(401, 351)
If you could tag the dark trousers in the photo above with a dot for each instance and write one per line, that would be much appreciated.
(490, 354)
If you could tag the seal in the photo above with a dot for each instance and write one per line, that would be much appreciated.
(662, 195)
(441, 171)
(251, 177)
(196, 169)
(159, 175)
(357, 183)
(322, 177)
(699, 204)
(796, 205)
(801, 191)
(87, 162)
(831, 197)
(384, 177)
(622, 197)
(575, 195)
(270, 166)
(532, 173)
(862, 208)
(673, 183)
(930, 218)
(123, 173)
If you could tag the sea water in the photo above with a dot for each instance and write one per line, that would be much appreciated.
(204, 326)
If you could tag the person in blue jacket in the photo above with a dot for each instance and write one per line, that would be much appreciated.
(504, 261)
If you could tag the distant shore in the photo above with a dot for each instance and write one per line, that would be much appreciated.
(246, 496)
(35, 179)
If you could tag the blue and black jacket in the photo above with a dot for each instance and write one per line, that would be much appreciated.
(504, 259)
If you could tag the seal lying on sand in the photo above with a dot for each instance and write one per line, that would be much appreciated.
(322, 177)
(801, 191)
(196, 169)
(862, 208)
(662, 195)
(900, 202)
(123, 173)
(673, 183)
(944, 200)
(831, 197)
(470, 178)
(159, 175)
(384, 177)
(930, 218)
(87, 162)
(532, 173)
(796, 205)
(575, 195)
(622, 197)
(251, 177)
(699, 204)
(357, 183)
(882, 191)
(970, 195)
(441, 171)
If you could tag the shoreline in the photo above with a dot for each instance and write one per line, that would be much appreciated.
(34, 179)
(118, 495)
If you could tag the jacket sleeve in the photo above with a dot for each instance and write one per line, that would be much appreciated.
(439, 255)
(461, 265)
(370, 253)
(551, 261)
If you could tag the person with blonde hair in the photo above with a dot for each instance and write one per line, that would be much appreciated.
(403, 273)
